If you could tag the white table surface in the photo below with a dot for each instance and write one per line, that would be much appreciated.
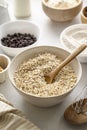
(46, 118)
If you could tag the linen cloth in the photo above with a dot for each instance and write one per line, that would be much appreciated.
(12, 118)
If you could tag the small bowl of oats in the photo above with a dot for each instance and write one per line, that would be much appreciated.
(27, 71)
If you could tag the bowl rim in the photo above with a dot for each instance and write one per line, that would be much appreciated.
(43, 97)
(65, 30)
(82, 12)
(9, 62)
(18, 21)
(56, 9)
(21, 21)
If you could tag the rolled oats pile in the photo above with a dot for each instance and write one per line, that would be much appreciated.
(29, 76)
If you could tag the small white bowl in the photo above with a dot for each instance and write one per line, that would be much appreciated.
(19, 26)
(72, 37)
(30, 53)
(4, 63)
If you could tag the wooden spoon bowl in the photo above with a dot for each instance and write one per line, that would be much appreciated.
(50, 76)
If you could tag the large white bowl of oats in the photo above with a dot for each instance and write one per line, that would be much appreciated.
(27, 72)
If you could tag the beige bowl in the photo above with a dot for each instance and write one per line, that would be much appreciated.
(30, 53)
(4, 65)
(84, 15)
(61, 15)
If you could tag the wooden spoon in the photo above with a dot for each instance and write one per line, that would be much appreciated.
(50, 76)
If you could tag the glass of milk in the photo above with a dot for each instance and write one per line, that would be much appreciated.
(21, 8)
(4, 14)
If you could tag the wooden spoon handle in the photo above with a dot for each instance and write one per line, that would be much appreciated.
(69, 58)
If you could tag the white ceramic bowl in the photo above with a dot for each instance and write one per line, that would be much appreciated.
(72, 37)
(61, 14)
(19, 26)
(30, 53)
